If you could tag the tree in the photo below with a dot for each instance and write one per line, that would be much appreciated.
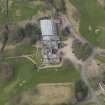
(82, 50)
(21, 33)
(63, 7)
(6, 26)
(29, 29)
(81, 90)
(32, 31)
(5, 37)
(67, 30)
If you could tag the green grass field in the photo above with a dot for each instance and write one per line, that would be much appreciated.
(92, 21)
(24, 70)
(20, 49)
(25, 10)
(21, 10)
(102, 99)
(101, 58)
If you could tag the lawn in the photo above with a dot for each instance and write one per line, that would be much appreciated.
(24, 49)
(101, 58)
(26, 77)
(24, 10)
(21, 10)
(2, 14)
(92, 21)
(20, 49)
(25, 71)
(102, 98)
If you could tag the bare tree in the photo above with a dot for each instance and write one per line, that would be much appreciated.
(6, 27)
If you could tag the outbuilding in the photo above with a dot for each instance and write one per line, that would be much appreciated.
(50, 40)
(49, 30)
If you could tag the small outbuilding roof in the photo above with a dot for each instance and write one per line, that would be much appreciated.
(48, 27)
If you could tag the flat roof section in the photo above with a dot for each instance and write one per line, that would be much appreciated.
(48, 27)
